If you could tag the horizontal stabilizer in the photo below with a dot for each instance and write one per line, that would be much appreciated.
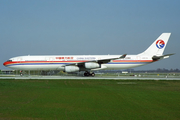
(161, 57)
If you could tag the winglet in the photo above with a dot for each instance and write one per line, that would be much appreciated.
(123, 56)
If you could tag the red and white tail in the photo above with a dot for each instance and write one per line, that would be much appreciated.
(158, 46)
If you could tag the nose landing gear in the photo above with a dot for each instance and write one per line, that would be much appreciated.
(89, 74)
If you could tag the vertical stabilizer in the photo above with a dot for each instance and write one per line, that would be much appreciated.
(158, 46)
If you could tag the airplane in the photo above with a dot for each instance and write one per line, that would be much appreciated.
(90, 63)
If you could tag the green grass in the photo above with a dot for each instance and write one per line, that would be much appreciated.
(89, 99)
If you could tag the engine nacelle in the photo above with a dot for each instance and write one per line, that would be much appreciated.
(92, 65)
(71, 69)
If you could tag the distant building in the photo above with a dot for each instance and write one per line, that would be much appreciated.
(7, 71)
(124, 72)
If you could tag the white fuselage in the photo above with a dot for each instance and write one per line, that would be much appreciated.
(57, 62)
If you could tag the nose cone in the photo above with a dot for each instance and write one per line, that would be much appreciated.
(6, 63)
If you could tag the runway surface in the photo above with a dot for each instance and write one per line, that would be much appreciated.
(87, 78)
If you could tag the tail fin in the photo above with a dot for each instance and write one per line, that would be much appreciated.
(158, 46)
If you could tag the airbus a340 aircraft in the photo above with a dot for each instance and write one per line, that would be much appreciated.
(90, 63)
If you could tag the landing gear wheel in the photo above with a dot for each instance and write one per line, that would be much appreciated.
(93, 74)
(86, 73)
(89, 74)
(21, 73)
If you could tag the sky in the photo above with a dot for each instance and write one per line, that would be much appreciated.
(88, 27)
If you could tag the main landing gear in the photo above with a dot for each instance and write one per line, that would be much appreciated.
(89, 74)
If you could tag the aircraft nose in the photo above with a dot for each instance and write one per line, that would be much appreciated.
(6, 63)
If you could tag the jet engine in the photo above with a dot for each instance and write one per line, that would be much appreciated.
(92, 65)
(71, 69)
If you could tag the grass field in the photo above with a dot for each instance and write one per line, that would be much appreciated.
(89, 99)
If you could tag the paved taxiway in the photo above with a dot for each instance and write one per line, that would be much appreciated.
(85, 78)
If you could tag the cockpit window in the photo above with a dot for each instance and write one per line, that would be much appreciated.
(9, 60)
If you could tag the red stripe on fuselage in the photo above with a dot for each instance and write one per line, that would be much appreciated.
(17, 62)
(133, 61)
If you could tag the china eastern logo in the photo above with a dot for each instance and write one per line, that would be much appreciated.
(160, 44)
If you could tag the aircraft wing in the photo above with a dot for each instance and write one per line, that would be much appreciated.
(161, 57)
(101, 61)
(109, 59)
